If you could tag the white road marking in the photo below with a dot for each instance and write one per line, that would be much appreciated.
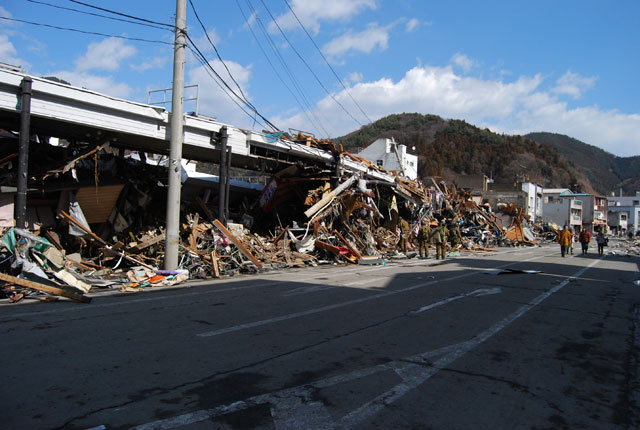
(414, 371)
(343, 304)
(414, 375)
(324, 308)
(478, 292)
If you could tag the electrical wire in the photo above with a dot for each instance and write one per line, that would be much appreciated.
(195, 12)
(208, 69)
(39, 24)
(327, 61)
(247, 104)
(123, 14)
(307, 65)
(284, 64)
(98, 15)
(306, 111)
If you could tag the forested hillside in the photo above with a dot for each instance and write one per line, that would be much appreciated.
(452, 147)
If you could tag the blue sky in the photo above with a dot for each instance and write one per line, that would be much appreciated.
(567, 67)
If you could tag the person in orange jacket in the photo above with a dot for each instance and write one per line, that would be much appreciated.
(564, 239)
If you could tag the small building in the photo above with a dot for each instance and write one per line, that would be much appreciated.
(561, 207)
(390, 155)
(617, 221)
(630, 205)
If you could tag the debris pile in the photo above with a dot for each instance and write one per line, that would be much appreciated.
(96, 221)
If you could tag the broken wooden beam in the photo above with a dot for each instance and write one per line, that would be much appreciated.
(45, 288)
(237, 243)
(328, 198)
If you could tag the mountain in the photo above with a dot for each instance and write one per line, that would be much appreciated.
(450, 148)
(605, 171)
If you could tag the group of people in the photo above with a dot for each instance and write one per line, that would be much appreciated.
(437, 233)
(567, 236)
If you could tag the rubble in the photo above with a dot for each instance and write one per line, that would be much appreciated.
(96, 222)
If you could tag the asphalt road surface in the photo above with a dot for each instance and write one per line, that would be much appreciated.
(410, 345)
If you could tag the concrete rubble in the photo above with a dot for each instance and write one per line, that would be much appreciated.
(96, 222)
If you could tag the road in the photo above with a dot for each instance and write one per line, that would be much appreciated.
(411, 345)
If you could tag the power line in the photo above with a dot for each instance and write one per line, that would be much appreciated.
(276, 70)
(326, 61)
(84, 31)
(123, 14)
(307, 64)
(98, 15)
(308, 112)
(247, 104)
(285, 66)
(207, 68)
(216, 51)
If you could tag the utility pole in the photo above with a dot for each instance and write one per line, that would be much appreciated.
(20, 210)
(175, 155)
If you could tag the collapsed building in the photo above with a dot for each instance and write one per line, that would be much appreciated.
(96, 198)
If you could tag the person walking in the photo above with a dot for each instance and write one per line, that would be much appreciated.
(404, 235)
(573, 236)
(601, 240)
(438, 237)
(564, 239)
(423, 239)
(584, 237)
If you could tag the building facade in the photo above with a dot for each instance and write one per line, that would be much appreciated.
(561, 207)
(629, 205)
(390, 155)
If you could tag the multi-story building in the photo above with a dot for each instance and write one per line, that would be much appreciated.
(534, 200)
(594, 212)
(562, 207)
(617, 221)
(387, 153)
(629, 205)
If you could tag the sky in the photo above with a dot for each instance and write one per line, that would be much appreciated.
(568, 67)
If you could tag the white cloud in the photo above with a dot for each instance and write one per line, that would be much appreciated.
(8, 53)
(412, 25)
(573, 84)
(203, 42)
(312, 12)
(101, 84)
(151, 63)
(105, 55)
(213, 101)
(364, 41)
(517, 106)
(463, 61)
(354, 77)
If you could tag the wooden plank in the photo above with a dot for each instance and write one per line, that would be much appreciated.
(102, 241)
(237, 243)
(348, 245)
(45, 288)
(214, 263)
(205, 209)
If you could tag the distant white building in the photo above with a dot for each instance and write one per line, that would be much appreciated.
(534, 200)
(630, 205)
(388, 154)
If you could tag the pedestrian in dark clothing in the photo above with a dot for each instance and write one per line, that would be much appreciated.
(439, 238)
(601, 240)
(584, 238)
(404, 235)
(423, 239)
